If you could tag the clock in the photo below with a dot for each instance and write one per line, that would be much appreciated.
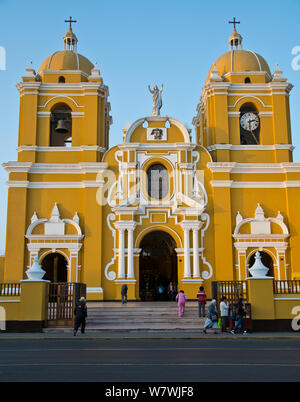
(249, 121)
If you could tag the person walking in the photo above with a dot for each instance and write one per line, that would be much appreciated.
(181, 299)
(171, 291)
(160, 292)
(201, 296)
(80, 313)
(224, 311)
(124, 290)
(212, 317)
(240, 320)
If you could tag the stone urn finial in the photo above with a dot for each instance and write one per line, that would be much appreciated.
(258, 269)
(35, 272)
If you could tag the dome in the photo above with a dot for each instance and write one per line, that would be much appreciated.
(67, 60)
(239, 60)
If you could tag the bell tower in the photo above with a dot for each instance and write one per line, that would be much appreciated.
(244, 113)
(64, 109)
(63, 134)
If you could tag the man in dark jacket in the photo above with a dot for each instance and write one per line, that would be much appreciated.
(80, 313)
(124, 293)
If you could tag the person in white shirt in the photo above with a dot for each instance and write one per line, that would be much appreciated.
(224, 311)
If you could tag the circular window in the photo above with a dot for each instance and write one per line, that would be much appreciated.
(157, 181)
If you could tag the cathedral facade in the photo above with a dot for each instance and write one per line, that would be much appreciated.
(158, 207)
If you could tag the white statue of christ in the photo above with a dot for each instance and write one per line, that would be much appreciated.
(157, 101)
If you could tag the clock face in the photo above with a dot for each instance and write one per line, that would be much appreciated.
(249, 121)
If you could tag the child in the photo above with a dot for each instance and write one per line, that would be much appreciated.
(181, 298)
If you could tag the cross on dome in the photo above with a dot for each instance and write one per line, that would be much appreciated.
(235, 39)
(234, 22)
(70, 40)
(71, 22)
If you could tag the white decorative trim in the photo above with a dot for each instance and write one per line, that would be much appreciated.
(67, 184)
(9, 301)
(94, 290)
(55, 168)
(112, 274)
(250, 168)
(174, 146)
(61, 149)
(286, 298)
(192, 281)
(253, 147)
(17, 184)
(256, 184)
(221, 183)
(125, 280)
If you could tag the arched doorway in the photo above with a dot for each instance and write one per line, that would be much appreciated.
(158, 265)
(266, 259)
(55, 266)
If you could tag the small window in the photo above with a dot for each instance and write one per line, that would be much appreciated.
(247, 80)
(61, 80)
(157, 182)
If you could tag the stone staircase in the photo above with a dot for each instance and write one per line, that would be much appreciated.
(140, 316)
(145, 316)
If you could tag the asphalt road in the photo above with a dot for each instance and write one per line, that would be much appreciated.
(150, 360)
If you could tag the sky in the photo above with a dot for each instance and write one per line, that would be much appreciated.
(141, 42)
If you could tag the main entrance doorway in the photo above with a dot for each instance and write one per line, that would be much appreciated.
(55, 266)
(158, 266)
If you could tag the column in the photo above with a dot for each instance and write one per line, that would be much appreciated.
(187, 265)
(196, 271)
(121, 270)
(130, 265)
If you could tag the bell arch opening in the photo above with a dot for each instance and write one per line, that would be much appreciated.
(157, 267)
(55, 265)
(60, 126)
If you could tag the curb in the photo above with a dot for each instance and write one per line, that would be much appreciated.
(150, 338)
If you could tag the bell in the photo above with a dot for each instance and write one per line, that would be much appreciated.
(61, 127)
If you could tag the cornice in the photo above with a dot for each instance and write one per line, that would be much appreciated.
(61, 149)
(252, 168)
(156, 146)
(230, 147)
(55, 168)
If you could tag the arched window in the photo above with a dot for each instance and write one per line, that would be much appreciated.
(249, 125)
(61, 126)
(157, 181)
(247, 80)
(61, 80)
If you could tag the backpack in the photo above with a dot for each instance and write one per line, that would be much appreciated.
(201, 297)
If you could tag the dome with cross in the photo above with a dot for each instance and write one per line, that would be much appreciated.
(67, 59)
(238, 60)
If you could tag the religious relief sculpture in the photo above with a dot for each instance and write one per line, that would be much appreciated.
(157, 102)
(157, 133)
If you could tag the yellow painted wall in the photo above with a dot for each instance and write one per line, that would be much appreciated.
(2, 260)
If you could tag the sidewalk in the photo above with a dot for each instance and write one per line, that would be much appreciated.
(68, 335)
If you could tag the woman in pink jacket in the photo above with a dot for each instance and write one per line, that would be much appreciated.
(181, 299)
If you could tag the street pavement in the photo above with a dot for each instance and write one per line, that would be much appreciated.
(67, 333)
(150, 360)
